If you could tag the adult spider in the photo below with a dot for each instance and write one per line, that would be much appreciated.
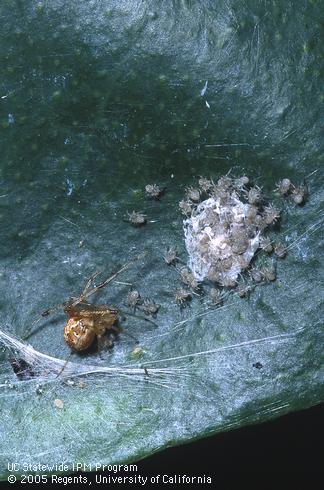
(87, 322)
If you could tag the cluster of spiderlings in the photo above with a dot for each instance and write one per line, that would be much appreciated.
(148, 306)
(225, 225)
(139, 218)
(287, 189)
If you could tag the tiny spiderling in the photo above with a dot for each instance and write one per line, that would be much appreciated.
(185, 207)
(243, 290)
(283, 187)
(240, 183)
(133, 298)
(216, 296)
(271, 214)
(280, 250)
(154, 191)
(205, 184)
(298, 195)
(149, 307)
(254, 195)
(188, 278)
(182, 296)
(225, 183)
(136, 218)
(193, 194)
(266, 245)
(256, 274)
(268, 273)
(170, 256)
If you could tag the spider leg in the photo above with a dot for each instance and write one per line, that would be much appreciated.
(126, 313)
(89, 282)
(124, 332)
(87, 293)
(44, 314)
(65, 364)
(101, 342)
(84, 295)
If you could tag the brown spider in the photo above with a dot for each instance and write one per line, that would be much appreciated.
(216, 296)
(87, 322)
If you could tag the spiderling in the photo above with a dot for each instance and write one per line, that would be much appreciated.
(136, 218)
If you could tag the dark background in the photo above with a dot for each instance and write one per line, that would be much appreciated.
(292, 444)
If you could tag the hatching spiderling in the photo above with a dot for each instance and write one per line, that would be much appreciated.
(205, 184)
(224, 231)
(243, 290)
(193, 194)
(268, 273)
(254, 195)
(298, 195)
(271, 214)
(256, 274)
(185, 207)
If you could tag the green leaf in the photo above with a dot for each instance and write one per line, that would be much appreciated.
(99, 99)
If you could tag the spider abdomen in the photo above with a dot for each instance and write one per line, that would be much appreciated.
(78, 335)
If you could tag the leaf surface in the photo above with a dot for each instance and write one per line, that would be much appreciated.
(99, 99)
